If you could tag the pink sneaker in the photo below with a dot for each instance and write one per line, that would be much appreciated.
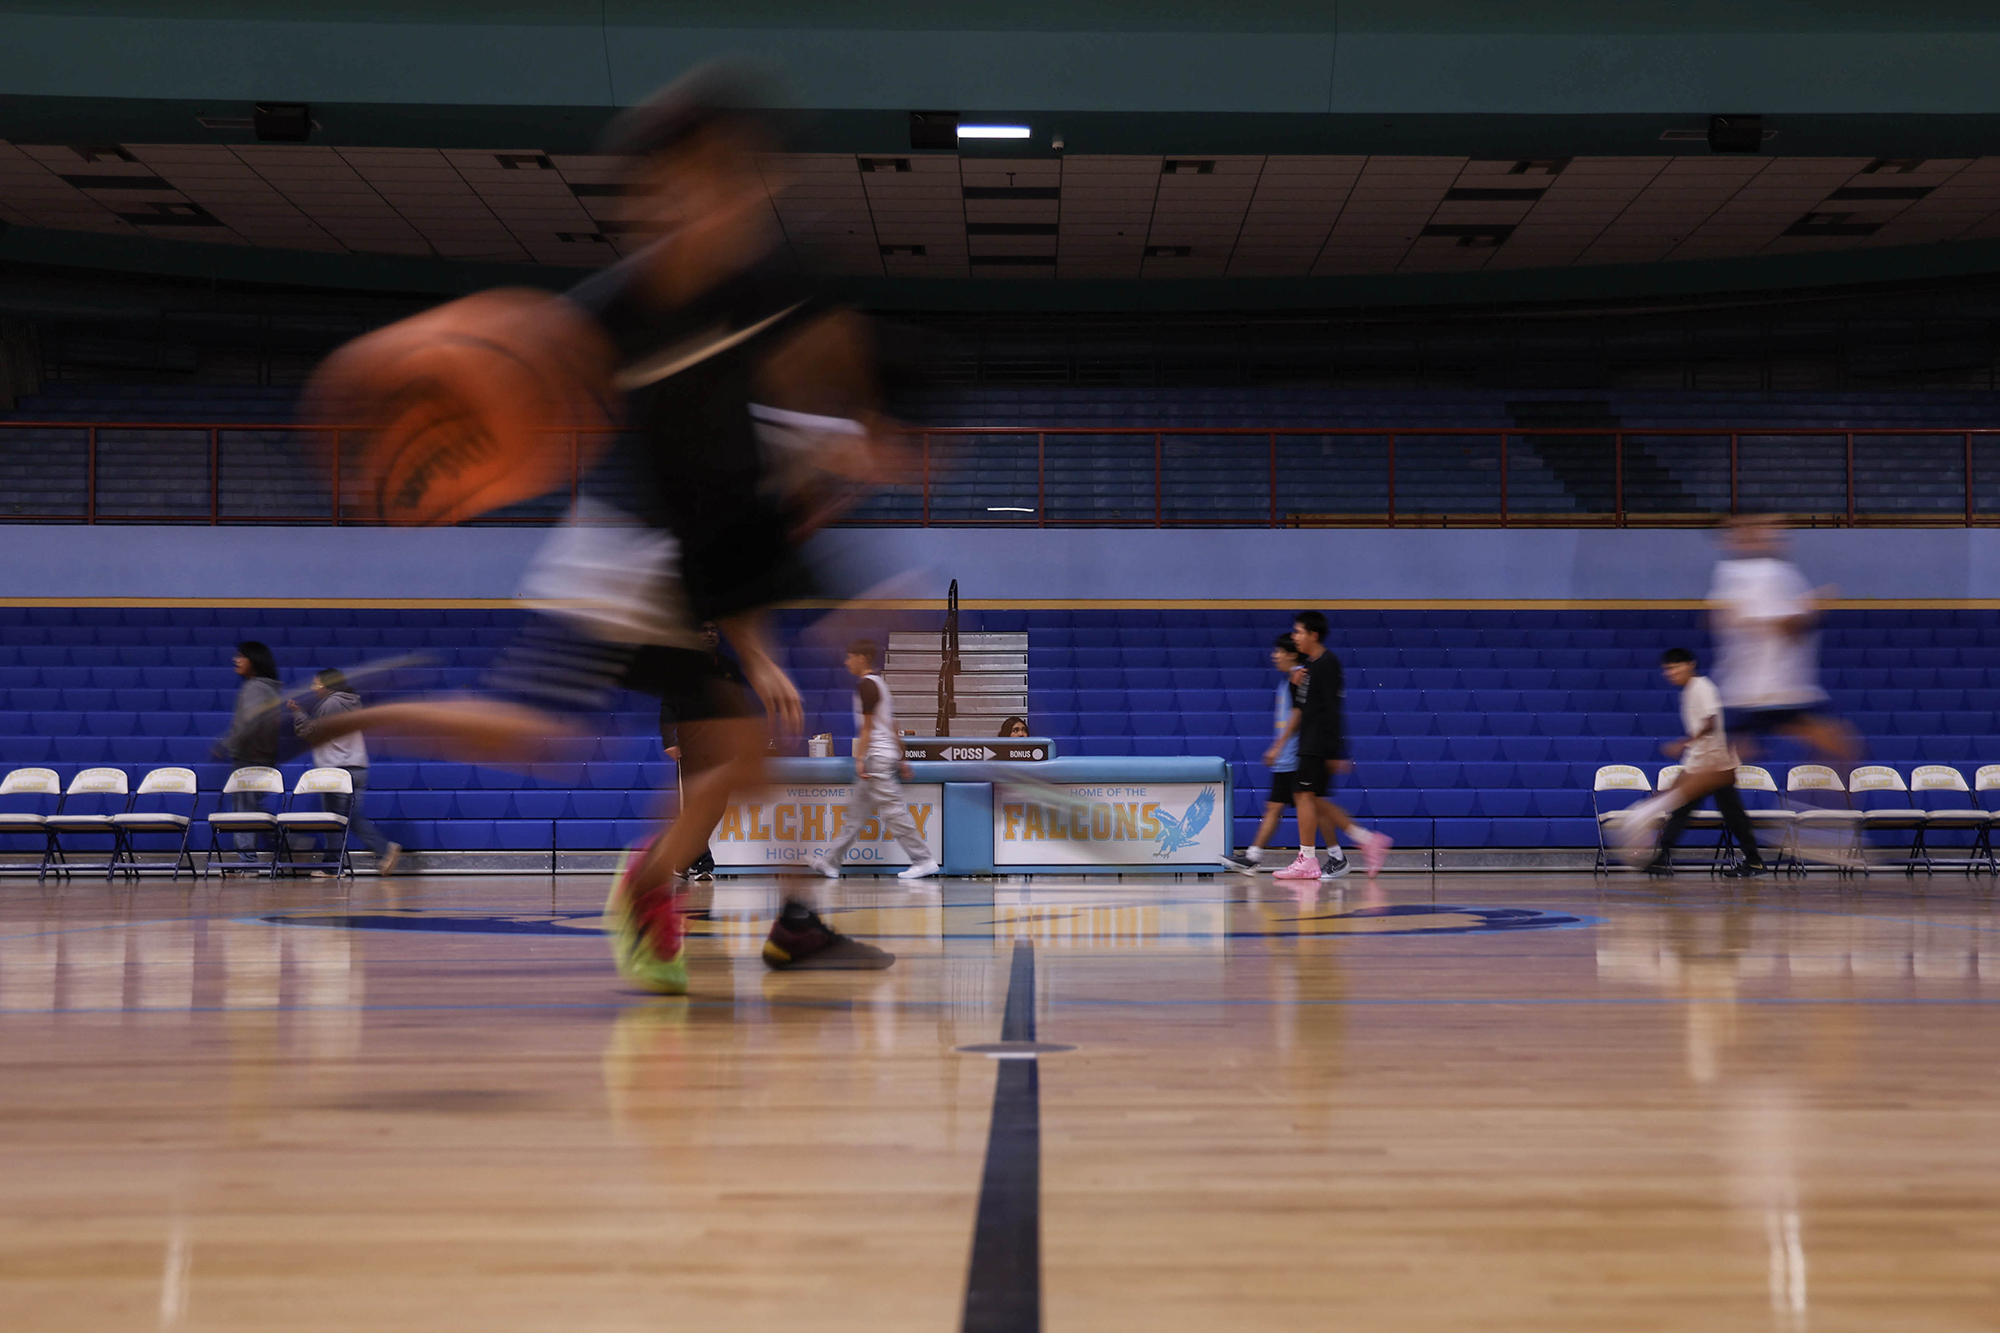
(1375, 851)
(1305, 867)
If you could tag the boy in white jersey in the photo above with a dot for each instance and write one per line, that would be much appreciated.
(878, 761)
(1766, 622)
(1708, 766)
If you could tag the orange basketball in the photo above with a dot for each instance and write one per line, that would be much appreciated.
(476, 405)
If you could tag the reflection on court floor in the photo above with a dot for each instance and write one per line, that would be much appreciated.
(1491, 1099)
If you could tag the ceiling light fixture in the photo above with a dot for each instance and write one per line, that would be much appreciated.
(1008, 509)
(993, 131)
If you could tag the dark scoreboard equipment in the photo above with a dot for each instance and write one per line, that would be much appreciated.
(963, 749)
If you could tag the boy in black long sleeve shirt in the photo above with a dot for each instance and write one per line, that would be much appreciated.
(1323, 754)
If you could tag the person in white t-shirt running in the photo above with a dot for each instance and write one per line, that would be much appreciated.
(1708, 768)
(878, 762)
(1765, 618)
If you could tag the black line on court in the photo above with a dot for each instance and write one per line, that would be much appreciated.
(1003, 1285)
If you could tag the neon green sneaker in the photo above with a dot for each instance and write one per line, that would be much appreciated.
(648, 929)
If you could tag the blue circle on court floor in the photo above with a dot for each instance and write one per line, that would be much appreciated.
(1399, 919)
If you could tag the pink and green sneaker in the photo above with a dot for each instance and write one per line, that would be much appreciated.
(648, 928)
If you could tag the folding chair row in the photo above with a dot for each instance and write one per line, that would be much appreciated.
(1838, 815)
(98, 803)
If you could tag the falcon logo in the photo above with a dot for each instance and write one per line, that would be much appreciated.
(1176, 833)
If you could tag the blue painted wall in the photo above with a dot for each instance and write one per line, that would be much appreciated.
(1009, 567)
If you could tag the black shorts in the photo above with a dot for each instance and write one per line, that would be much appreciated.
(1281, 786)
(1763, 721)
(1314, 776)
(687, 684)
(551, 665)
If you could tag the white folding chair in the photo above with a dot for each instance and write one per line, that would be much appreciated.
(1706, 820)
(1878, 785)
(1628, 778)
(169, 786)
(258, 823)
(36, 786)
(317, 782)
(1826, 829)
(1959, 817)
(103, 794)
(1770, 819)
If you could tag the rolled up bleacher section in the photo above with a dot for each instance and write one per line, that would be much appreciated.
(1475, 732)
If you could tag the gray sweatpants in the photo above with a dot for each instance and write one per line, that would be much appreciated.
(877, 792)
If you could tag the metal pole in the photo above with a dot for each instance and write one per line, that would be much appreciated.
(1969, 505)
(336, 478)
(1618, 478)
(1734, 503)
(215, 474)
(1392, 480)
(1041, 479)
(927, 478)
(1503, 478)
(1850, 479)
(1274, 479)
(1157, 468)
(90, 479)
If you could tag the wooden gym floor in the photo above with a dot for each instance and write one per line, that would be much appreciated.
(1510, 1102)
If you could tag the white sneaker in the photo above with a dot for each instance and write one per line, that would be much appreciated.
(822, 866)
(921, 870)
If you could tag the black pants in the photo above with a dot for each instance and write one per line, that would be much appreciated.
(1734, 818)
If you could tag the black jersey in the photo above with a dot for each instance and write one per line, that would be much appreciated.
(1322, 724)
(690, 462)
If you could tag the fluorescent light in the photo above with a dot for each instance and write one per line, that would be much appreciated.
(1007, 509)
(993, 131)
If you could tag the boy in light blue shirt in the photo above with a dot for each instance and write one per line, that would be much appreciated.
(1282, 758)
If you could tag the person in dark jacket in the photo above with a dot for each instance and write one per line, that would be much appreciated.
(252, 738)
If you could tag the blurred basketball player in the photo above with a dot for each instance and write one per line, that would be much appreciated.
(1766, 622)
(748, 407)
(1765, 618)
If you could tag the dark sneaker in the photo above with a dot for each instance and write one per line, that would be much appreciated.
(1333, 867)
(1239, 865)
(801, 942)
(1746, 870)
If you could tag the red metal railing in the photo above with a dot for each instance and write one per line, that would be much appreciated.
(1400, 477)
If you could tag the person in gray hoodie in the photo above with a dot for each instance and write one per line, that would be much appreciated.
(253, 730)
(331, 696)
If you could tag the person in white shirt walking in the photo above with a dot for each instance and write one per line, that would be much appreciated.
(1708, 768)
(878, 763)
